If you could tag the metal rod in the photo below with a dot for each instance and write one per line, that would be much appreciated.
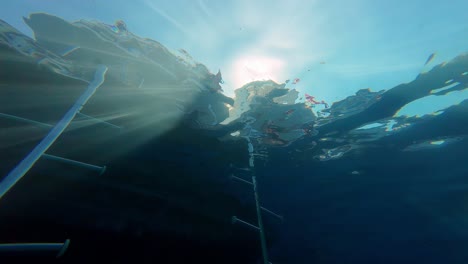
(61, 248)
(263, 208)
(25, 165)
(99, 120)
(64, 248)
(272, 213)
(100, 169)
(240, 179)
(26, 120)
(260, 222)
(235, 220)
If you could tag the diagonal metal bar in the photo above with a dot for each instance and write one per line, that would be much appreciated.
(25, 165)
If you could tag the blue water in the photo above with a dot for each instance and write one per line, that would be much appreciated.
(362, 154)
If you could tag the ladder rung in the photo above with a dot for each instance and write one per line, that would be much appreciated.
(60, 248)
(100, 169)
(26, 120)
(240, 179)
(263, 208)
(235, 220)
(272, 213)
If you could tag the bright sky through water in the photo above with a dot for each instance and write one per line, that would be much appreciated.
(335, 47)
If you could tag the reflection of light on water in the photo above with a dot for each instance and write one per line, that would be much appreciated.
(445, 87)
(465, 73)
(401, 126)
(390, 124)
(369, 126)
(438, 142)
(335, 153)
(432, 144)
(437, 113)
(321, 114)
(377, 130)
(432, 103)
(235, 134)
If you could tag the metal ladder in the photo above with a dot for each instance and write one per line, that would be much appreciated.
(258, 207)
(39, 152)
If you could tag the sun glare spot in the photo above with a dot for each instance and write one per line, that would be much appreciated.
(257, 68)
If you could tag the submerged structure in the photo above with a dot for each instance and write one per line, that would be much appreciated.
(130, 150)
(132, 146)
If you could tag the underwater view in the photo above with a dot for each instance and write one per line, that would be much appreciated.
(234, 131)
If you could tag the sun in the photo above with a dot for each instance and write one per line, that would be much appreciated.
(256, 68)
